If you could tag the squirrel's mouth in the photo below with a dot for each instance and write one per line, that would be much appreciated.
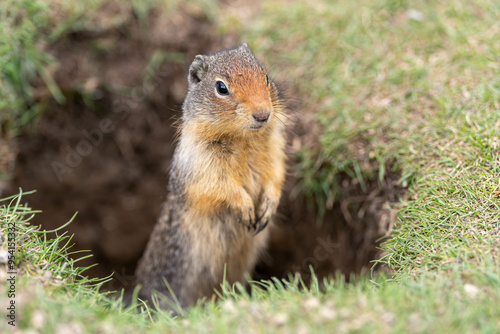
(257, 126)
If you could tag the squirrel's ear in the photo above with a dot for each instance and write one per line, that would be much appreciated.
(245, 47)
(197, 70)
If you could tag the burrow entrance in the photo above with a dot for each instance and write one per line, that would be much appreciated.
(106, 152)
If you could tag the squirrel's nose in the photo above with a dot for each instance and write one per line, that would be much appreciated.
(261, 117)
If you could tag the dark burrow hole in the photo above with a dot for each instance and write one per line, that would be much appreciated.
(106, 152)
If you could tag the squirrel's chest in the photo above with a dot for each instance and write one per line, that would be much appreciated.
(238, 157)
(218, 170)
(249, 168)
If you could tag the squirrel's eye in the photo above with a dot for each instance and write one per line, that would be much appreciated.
(221, 88)
(267, 80)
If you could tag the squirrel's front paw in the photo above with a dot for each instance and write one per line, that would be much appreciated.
(248, 217)
(266, 210)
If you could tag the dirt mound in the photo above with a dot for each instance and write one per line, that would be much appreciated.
(106, 154)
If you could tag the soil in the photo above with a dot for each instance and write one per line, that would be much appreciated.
(106, 152)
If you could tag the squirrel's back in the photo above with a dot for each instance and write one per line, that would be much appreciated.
(225, 179)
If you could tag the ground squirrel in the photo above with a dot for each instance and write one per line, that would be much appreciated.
(225, 179)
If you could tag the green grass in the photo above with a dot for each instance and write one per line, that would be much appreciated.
(391, 94)
(368, 74)
(21, 61)
(53, 295)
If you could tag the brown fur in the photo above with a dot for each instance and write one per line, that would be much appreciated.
(225, 182)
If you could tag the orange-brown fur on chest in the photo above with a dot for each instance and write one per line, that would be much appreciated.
(222, 165)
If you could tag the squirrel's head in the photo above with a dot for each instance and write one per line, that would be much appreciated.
(231, 92)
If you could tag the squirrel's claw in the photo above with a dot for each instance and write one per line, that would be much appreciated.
(248, 218)
(260, 224)
(264, 214)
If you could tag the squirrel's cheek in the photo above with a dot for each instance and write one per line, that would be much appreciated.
(241, 111)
